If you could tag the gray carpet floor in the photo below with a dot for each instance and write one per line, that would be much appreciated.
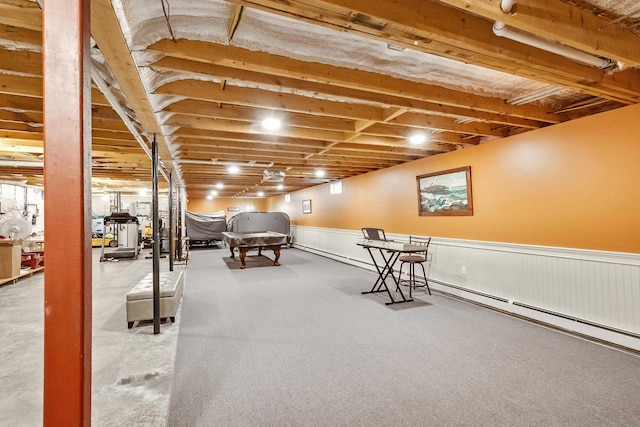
(299, 345)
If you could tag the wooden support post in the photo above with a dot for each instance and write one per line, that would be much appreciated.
(67, 180)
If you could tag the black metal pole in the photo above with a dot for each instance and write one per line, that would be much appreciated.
(171, 229)
(156, 237)
(180, 224)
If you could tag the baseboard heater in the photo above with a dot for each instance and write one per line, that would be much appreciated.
(495, 298)
(312, 249)
(330, 255)
(538, 309)
(578, 320)
(471, 291)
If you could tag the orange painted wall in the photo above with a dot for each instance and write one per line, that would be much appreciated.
(202, 205)
(572, 185)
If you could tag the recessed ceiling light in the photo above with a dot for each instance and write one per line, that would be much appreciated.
(417, 138)
(233, 169)
(209, 197)
(213, 193)
(319, 173)
(260, 193)
(280, 187)
(219, 186)
(271, 123)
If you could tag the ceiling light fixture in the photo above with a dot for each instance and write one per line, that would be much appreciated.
(320, 173)
(233, 169)
(219, 186)
(213, 193)
(417, 138)
(260, 193)
(272, 123)
(209, 197)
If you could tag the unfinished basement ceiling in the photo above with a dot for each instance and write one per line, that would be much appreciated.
(351, 80)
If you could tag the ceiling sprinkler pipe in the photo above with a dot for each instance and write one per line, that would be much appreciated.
(223, 163)
(501, 30)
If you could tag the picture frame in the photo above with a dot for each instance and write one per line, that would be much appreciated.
(445, 193)
(306, 206)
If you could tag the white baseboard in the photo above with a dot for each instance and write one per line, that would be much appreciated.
(590, 293)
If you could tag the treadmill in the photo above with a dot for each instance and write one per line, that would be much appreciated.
(126, 231)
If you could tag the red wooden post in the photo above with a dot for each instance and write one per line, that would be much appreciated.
(67, 177)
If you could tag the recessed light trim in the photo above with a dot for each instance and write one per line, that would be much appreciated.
(271, 123)
(417, 138)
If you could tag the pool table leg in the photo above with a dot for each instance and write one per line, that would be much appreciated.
(276, 252)
(243, 254)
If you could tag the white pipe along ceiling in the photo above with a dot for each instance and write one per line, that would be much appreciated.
(500, 29)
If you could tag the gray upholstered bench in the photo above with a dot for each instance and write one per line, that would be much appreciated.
(140, 298)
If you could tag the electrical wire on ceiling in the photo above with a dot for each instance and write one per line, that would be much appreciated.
(167, 12)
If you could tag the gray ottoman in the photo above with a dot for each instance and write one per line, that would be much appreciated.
(140, 298)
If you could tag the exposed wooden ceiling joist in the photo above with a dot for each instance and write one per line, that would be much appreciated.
(205, 94)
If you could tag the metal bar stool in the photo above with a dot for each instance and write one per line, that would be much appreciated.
(413, 259)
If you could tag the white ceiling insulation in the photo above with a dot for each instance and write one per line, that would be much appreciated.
(208, 20)
(204, 74)
(143, 22)
(282, 36)
(627, 8)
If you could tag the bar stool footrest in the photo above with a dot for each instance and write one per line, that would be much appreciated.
(419, 283)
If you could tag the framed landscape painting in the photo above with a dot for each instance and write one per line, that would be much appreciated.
(445, 193)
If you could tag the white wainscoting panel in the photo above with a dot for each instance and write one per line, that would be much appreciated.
(594, 293)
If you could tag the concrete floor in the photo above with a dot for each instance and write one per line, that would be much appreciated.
(132, 368)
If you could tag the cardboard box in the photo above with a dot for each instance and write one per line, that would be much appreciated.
(10, 258)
